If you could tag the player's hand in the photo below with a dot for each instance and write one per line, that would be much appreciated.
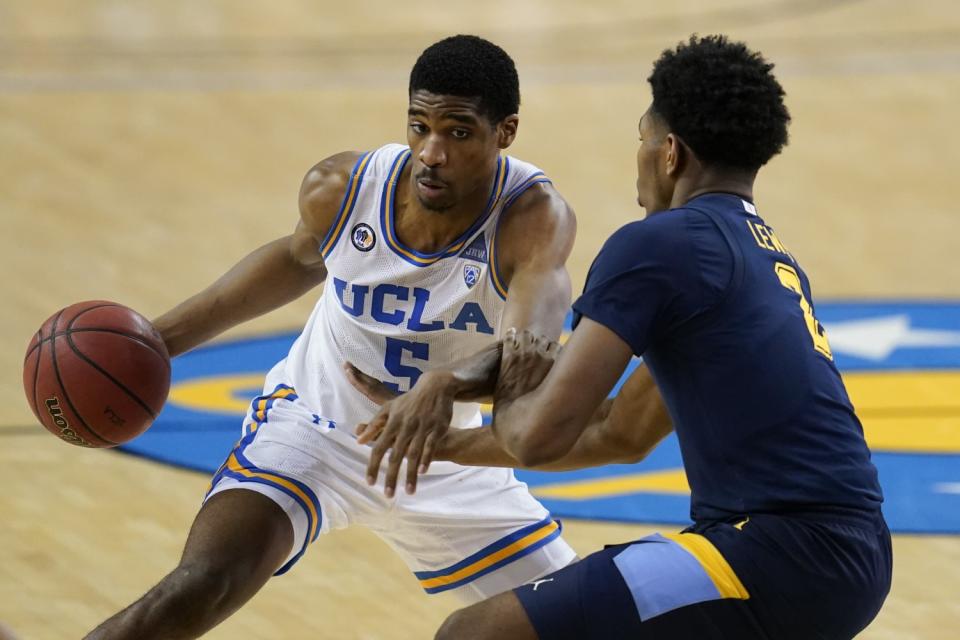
(369, 386)
(409, 426)
(527, 359)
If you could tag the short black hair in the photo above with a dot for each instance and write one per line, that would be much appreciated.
(722, 100)
(469, 67)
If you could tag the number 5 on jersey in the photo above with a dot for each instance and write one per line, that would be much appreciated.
(789, 279)
(393, 361)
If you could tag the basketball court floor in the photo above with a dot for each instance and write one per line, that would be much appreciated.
(145, 147)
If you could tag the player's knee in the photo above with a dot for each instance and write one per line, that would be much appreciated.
(457, 626)
(214, 584)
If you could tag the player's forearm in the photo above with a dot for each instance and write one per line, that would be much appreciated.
(595, 447)
(264, 280)
(471, 379)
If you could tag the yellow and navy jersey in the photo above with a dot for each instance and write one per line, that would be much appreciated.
(723, 316)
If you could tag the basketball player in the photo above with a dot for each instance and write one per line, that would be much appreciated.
(788, 540)
(426, 250)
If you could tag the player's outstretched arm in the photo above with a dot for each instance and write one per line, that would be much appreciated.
(623, 430)
(269, 277)
(534, 239)
(543, 426)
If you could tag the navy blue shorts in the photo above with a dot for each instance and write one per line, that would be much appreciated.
(767, 576)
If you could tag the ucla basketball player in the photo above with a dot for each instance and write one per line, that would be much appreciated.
(427, 249)
(788, 540)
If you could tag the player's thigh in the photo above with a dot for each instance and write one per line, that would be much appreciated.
(238, 534)
(475, 533)
(315, 482)
(643, 590)
(499, 617)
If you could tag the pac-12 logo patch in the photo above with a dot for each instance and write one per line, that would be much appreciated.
(363, 237)
(471, 275)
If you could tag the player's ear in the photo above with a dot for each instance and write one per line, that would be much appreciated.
(674, 152)
(507, 130)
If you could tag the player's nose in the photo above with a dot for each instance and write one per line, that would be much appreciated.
(433, 154)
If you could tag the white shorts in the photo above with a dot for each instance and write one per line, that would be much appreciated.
(474, 530)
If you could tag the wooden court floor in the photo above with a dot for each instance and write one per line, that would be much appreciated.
(144, 147)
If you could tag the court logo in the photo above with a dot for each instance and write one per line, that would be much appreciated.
(363, 237)
(471, 275)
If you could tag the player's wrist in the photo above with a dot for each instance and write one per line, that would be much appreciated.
(440, 382)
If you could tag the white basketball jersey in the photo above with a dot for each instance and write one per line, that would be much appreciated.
(392, 311)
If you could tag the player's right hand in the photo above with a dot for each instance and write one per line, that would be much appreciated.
(409, 426)
(527, 359)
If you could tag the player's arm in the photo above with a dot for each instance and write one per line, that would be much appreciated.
(534, 240)
(623, 430)
(642, 284)
(533, 243)
(269, 277)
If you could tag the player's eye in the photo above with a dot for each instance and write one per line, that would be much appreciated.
(460, 134)
(418, 127)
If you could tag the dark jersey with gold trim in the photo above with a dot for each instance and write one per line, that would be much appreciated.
(723, 316)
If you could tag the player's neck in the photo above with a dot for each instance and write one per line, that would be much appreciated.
(698, 183)
(429, 231)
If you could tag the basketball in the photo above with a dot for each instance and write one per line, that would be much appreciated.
(96, 374)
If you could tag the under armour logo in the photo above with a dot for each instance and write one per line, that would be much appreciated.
(536, 583)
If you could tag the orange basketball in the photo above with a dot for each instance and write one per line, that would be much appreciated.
(96, 374)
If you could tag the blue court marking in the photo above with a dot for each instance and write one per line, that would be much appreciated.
(922, 490)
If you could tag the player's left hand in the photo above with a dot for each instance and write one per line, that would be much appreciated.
(369, 386)
(408, 425)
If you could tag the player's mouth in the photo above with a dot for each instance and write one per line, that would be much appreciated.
(430, 187)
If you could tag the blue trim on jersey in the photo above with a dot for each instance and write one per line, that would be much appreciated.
(495, 276)
(303, 549)
(388, 215)
(264, 478)
(519, 190)
(494, 272)
(491, 549)
(307, 490)
(260, 415)
(346, 205)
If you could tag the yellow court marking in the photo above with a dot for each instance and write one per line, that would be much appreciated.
(913, 411)
(909, 411)
(673, 481)
(218, 394)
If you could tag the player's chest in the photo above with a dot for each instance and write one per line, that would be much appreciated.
(454, 294)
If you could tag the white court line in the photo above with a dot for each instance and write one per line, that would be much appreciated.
(947, 487)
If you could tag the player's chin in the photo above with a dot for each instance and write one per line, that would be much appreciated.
(646, 211)
(438, 203)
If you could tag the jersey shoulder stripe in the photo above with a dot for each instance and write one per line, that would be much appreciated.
(346, 206)
(496, 276)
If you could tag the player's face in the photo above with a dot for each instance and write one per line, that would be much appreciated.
(654, 186)
(454, 148)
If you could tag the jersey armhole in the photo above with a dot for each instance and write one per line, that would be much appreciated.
(346, 205)
(495, 275)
